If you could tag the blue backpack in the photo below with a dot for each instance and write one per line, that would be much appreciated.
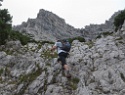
(66, 46)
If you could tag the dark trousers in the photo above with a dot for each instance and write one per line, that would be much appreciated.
(62, 58)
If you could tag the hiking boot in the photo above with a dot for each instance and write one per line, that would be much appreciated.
(67, 74)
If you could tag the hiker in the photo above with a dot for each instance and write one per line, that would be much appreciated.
(62, 53)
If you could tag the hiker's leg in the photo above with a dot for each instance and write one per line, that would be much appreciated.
(64, 64)
(67, 71)
(66, 67)
(62, 59)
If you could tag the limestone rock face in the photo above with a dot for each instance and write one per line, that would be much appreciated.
(100, 67)
(93, 30)
(97, 68)
(47, 26)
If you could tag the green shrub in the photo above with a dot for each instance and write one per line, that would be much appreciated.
(74, 82)
(104, 34)
(81, 39)
(5, 25)
(49, 42)
(122, 76)
(99, 36)
(6, 31)
(119, 20)
(107, 33)
(15, 35)
(1, 71)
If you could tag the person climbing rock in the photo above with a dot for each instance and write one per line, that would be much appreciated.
(63, 48)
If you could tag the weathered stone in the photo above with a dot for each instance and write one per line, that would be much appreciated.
(97, 67)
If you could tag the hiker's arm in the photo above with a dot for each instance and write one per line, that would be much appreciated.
(53, 48)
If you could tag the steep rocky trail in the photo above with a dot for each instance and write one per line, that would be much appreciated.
(100, 68)
(31, 70)
(97, 68)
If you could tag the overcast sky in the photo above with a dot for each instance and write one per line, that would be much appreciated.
(77, 13)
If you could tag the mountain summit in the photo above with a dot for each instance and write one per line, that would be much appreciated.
(47, 26)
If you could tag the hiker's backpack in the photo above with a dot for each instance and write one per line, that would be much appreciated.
(66, 46)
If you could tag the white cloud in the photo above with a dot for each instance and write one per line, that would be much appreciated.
(77, 13)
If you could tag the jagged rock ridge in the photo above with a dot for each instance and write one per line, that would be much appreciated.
(93, 30)
(47, 26)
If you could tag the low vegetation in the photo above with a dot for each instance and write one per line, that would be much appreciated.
(104, 34)
(6, 32)
(27, 79)
(15, 35)
(119, 20)
(74, 82)
(47, 54)
(81, 39)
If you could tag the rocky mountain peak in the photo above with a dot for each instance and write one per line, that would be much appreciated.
(44, 14)
(47, 26)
